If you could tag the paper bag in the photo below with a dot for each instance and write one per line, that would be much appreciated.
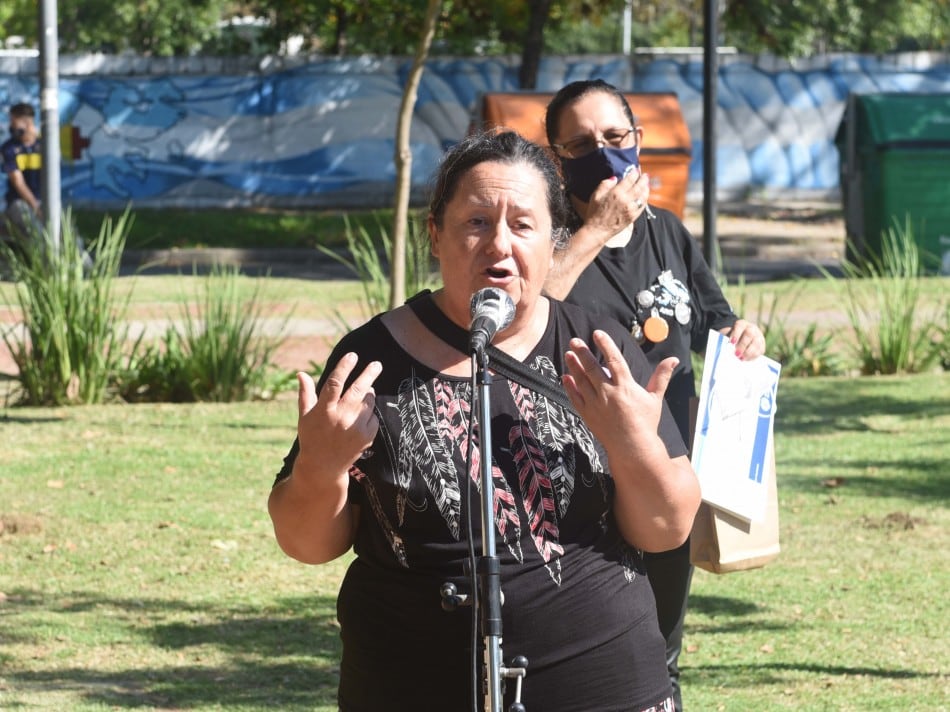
(721, 542)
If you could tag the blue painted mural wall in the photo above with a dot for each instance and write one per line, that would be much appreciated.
(205, 133)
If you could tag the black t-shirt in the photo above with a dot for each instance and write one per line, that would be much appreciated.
(576, 602)
(661, 272)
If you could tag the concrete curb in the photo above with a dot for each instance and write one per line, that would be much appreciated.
(279, 262)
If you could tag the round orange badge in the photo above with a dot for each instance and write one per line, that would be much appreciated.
(656, 329)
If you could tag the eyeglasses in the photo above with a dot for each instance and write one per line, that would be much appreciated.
(575, 148)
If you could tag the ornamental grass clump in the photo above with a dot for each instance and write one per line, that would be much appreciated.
(221, 350)
(882, 296)
(803, 352)
(72, 338)
(368, 262)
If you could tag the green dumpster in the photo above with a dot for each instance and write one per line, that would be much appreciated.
(895, 166)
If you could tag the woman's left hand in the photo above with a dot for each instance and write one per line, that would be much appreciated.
(656, 495)
(747, 338)
(617, 409)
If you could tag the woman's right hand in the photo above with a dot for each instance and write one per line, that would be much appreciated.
(335, 428)
(616, 204)
(314, 521)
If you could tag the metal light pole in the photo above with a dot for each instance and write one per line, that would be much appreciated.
(710, 80)
(627, 26)
(49, 115)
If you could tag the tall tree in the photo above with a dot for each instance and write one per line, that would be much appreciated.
(533, 47)
(397, 293)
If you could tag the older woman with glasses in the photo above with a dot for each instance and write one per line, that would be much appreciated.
(387, 455)
(641, 267)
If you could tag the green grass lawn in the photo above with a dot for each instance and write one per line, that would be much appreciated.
(138, 567)
(241, 228)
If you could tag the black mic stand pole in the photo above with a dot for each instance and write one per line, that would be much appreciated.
(488, 565)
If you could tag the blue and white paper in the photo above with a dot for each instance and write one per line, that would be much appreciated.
(734, 429)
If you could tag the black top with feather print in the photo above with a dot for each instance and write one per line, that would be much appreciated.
(574, 597)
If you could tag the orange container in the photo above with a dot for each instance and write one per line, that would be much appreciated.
(666, 149)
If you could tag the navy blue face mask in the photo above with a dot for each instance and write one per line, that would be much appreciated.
(17, 134)
(584, 174)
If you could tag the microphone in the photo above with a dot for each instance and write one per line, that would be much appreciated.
(492, 311)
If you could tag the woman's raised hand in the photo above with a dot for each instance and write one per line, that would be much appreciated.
(618, 410)
(336, 427)
(617, 203)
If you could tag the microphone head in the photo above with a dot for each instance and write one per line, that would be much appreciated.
(495, 304)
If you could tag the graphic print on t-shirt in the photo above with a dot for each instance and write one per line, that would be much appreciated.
(432, 445)
(667, 299)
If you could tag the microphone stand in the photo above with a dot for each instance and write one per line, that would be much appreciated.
(488, 565)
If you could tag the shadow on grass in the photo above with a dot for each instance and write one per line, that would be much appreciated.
(728, 615)
(283, 656)
(9, 416)
(844, 405)
(884, 409)
(921, 479)
(752, 675)
(722, 606)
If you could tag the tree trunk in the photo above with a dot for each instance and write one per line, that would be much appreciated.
(533, 43)
(403, 158)
(339, 36)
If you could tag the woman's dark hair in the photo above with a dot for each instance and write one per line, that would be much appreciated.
(503, 147)
(574, 91)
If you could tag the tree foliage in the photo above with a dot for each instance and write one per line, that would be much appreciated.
(801, 27)
(150, 27)
(528, 28)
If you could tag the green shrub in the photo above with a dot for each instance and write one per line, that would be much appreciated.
(941, 340)
(881, 294)
(806, 353)
(222, 353)
(73, 339)
(801, 352)
(369, 262)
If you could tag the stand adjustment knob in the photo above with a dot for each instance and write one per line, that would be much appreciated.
(451, 598)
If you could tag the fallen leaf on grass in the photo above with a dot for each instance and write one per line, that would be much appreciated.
(55, 484)
(832, 482)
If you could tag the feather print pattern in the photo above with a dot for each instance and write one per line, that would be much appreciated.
(504, 506)
(576, 427)
(395, 541)
(421, 450)
(402, 492)
(548, 420)
(537, 495)
(565, 427)
(453, 410)
(434, 440)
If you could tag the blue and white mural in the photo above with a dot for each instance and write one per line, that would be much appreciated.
(320, 133)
